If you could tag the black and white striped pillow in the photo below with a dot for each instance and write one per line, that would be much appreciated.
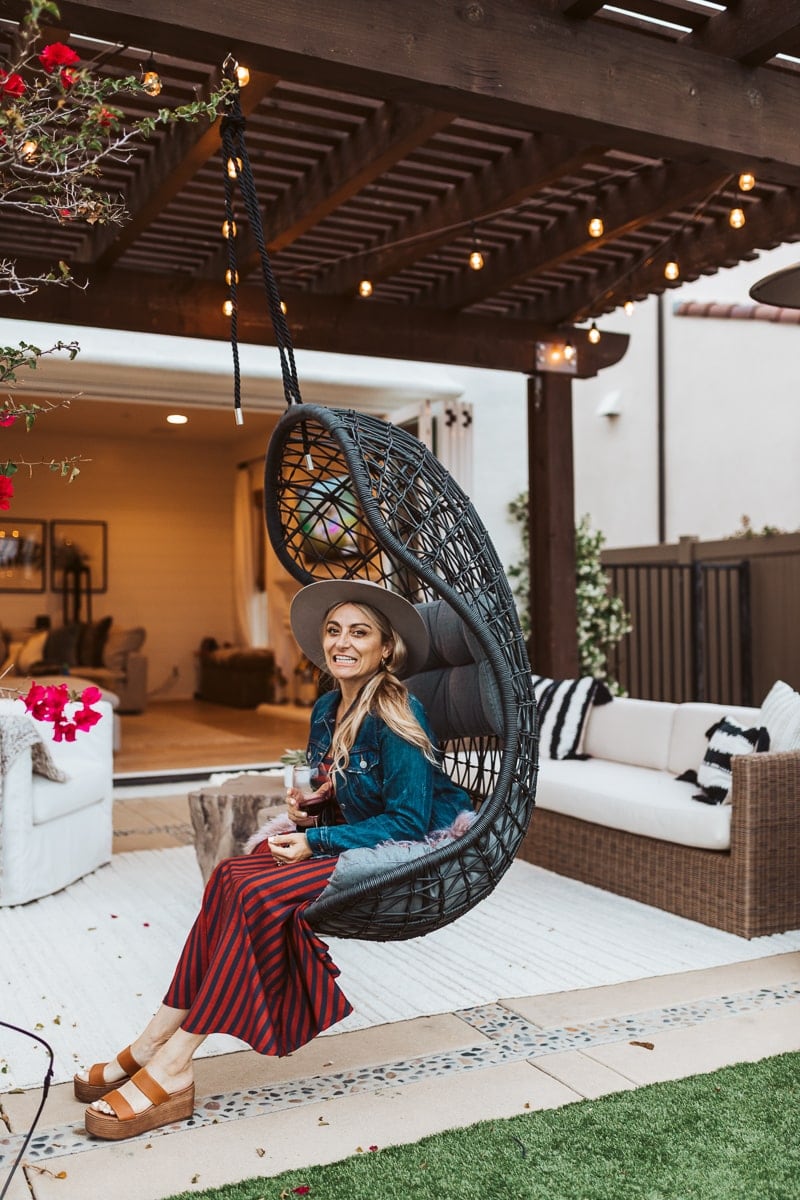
(726, 739)
(563, 706)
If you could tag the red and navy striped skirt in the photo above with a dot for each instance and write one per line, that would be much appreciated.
(252, 966)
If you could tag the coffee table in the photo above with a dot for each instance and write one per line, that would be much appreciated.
(225, 815)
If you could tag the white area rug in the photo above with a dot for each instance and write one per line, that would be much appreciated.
(86, 968)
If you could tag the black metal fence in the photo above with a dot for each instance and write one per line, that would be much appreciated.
(691, 637)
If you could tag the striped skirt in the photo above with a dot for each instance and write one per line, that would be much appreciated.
(252, 967)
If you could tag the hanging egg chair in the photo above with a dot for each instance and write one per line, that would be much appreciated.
(350, 496)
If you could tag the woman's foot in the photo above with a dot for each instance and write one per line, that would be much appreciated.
(141, 1105)
(103, 1077)
(168, 1073)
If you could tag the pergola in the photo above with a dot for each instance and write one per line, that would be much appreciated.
(390, 140)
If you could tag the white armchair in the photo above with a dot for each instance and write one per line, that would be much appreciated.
(52, 832)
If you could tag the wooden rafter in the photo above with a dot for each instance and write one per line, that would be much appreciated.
(752, 33)
(630, 206)
(388, 135)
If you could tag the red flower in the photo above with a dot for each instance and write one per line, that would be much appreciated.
(6, 491)
(48, 703)
(68, 78)
(58, 55)
(6, 419)
(11, 85)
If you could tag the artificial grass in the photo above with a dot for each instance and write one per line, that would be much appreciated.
(733, 1134)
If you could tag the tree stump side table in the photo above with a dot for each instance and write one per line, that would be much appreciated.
(226, 815)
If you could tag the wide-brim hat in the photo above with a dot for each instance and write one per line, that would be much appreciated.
(313, 601)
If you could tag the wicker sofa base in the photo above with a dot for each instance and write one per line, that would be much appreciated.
(751, 890)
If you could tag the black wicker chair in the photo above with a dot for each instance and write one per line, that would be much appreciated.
(348, 495)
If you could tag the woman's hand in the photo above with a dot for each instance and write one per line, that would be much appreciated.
(289, 847)
(295, 800)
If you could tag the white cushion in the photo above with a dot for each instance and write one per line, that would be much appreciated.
(780, 712)
(689, 732)
(631, 731)
(639, 800)
(52, 799)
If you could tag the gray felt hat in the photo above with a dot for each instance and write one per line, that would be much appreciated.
(312, 602)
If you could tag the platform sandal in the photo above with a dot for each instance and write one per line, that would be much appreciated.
(165, 1109)
(95, 1087)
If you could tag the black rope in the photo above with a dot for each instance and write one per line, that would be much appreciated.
(45, 1089)
(234, 152)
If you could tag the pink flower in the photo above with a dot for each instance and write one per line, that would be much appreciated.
(6, 419)
(6, 491)
(91, 694)
(48, 703)
(58, 55)
(11, 85)
(68, 78)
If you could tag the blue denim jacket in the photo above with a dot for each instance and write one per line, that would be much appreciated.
(390, 791)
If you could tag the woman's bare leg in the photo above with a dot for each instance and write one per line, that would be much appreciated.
(158, 1030)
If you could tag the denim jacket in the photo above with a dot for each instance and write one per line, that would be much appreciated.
(390, 791)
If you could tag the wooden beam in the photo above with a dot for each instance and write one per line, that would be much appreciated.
(182, 151)
(386, 137)
(189, 307)
(626, 208)
(553, 644)
(502, 62)
(520, 174)
(752, 32)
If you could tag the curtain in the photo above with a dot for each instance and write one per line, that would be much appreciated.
(250, 601)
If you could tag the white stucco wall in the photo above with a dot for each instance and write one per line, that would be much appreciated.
(732, 419)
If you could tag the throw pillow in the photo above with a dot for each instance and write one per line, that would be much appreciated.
(31, 651)
(563, 707)
(119, 644)
(780, 712)
(61, 647)
(91, 642)
(726, 739)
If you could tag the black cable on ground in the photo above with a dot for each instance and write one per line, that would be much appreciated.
(45, 1089)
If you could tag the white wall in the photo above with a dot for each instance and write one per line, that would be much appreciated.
(732, 419)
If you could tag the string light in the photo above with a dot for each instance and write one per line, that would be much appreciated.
(672, 270)
(594, 334)
(228, 229)
(151, 80)
(242, 76)
(746, 182)
(365, 288)
(234, 167)
(284, 309)
(736, 218)
(596, 227)
(231, 277)
(476, 259)
(628, 307)
(227, 308)
(569, 351)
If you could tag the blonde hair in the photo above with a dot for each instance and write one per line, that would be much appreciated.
(383, 695)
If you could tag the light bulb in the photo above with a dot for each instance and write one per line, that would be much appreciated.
(231, 276)
(234, 167)
(746, 182)
(736, 218)
(242, 76)
(227, 308)
(569, 351)
(284, 308)
(671, 270)
(594, 334)
(228, 229)
(476, 260)
(27, 150)
(628, 307)
(596, 227)
(365, 288)
(151, 80)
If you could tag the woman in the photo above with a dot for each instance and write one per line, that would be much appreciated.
(252, 967)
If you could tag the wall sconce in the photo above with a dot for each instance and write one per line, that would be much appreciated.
(552, 356)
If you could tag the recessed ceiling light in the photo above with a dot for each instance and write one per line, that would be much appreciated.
(177, 419)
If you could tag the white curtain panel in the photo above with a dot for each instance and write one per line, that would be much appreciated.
(250, 604)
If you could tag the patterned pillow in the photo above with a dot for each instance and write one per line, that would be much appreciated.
(726, 739)
(563, 707)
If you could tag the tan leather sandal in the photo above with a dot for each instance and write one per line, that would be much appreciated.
(165, 1108)
(95, 1087)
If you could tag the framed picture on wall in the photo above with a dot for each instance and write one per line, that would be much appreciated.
(22, 555)
(80, 545)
